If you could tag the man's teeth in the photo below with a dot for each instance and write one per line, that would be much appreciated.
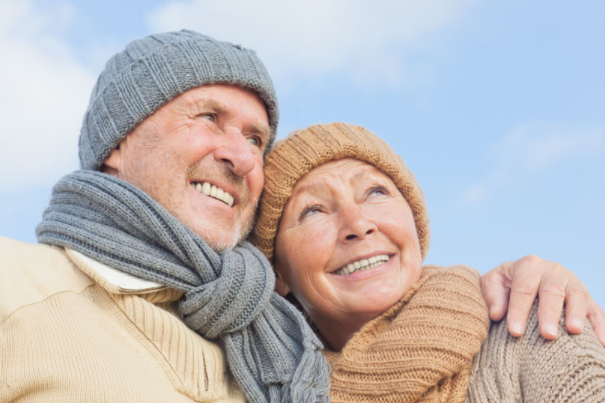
(363, 264)
(213, 191)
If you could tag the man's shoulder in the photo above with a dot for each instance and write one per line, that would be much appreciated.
(11, 248)
(17, 256)
(30, 273)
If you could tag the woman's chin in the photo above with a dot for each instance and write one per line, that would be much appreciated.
(373, 295)
(373, 306)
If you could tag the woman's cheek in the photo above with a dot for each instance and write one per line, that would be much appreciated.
(315, 232)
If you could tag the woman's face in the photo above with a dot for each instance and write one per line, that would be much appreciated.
(347, 246)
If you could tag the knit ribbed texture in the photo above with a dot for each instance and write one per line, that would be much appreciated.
(419, 350)
(181, 349)
(150, 72)
(87, 345)
(531, 369)
(289, 161)
(271, 350)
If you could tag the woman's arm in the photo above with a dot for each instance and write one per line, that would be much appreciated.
(513, 286)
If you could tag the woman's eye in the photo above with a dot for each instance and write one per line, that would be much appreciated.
(378, 191)
(309, 211)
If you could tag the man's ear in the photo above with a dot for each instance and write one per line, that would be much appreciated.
(113, 163)
(280, 285)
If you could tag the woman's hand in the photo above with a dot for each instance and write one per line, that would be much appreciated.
(531, 276)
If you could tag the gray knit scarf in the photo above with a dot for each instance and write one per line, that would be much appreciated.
(272, 352)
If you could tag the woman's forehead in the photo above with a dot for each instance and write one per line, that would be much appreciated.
(346, 170)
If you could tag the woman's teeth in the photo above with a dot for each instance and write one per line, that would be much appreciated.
(363, 264)
(213, 191)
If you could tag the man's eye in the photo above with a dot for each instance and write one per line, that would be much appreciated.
(208, 116)
(255, 142)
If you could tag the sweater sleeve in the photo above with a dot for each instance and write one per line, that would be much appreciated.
(533, 369)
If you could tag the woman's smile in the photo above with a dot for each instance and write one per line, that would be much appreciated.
(361, 268)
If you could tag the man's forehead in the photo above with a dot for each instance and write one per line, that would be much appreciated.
(217, 90)
(212, 97)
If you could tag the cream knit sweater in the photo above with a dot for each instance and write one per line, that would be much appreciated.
(532, 369)
(74, 330)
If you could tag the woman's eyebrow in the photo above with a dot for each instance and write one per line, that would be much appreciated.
(362, 173)
(359, 175)
(309, 187)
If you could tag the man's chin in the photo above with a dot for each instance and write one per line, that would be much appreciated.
(222, 242)
(213, 234)
(220, 246)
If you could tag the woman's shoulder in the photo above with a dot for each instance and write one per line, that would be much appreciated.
(430, 271)
(533, 369)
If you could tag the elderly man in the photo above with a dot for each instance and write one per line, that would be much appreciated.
(141, 288)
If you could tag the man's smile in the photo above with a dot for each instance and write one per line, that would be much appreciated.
(213, 191)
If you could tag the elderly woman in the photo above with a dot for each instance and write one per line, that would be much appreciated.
(345, 224)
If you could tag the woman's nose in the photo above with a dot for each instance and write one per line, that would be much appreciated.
(354, 225)
(236, 153)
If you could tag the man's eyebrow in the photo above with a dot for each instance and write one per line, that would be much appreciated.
(262, 130)
(212, 104)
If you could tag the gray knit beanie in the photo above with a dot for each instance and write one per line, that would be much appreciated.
(150, 72)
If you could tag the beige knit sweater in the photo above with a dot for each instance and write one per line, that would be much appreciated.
(75, 330)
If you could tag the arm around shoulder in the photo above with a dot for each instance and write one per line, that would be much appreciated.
(532, 369)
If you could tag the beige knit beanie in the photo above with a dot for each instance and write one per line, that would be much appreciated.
(303, 151)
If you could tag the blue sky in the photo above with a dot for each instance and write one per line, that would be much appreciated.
(498, 107)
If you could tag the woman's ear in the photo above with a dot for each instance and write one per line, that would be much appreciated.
(280, 285)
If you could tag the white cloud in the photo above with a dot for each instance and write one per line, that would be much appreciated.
(45, 87)
(45, 91)
(530, 150)
(368, 41)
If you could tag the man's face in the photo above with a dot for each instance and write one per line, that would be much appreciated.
(201, 157)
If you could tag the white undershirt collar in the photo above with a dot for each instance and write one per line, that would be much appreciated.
(113, 280)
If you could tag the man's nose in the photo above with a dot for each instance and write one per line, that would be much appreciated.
(235, 152)
(354, 225)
